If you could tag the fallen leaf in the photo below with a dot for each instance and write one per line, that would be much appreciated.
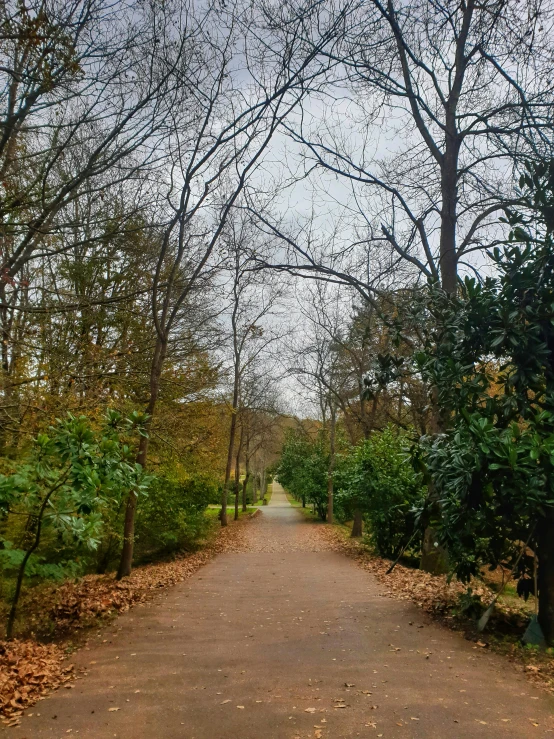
(113, 709)
(227, 701)
(309, 710)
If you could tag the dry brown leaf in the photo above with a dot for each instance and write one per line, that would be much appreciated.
(29, 670)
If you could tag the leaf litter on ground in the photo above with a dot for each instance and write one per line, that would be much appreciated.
(439, 598)
(29, 670)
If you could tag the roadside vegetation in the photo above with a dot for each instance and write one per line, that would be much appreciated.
(309, 240)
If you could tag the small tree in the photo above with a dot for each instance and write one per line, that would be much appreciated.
(71, 475)
(373, 478)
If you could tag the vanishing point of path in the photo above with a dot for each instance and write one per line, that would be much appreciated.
(243, 648)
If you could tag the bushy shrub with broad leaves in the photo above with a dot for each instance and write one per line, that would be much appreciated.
(376, 477)
(172, 516)
(492, 365)
(303, 467)
(73, 474)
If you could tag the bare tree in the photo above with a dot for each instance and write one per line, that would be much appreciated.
(219, 131)
(252, 302)
(316, 364)
(259, 419)
(464, 92)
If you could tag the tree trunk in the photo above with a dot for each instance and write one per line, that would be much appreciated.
(331, 467)
(245, 483)
(545, 552)
(358, 524)
(254, 488)
(247, 468)
(126, 561)
(26, 558)
(237, 485)
(230, 450)
(448, 255)
(7, 371)
(434, 557)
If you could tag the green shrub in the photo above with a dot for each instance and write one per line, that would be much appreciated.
(377, 478)
(303, 469)
(58, 496)
(172, 517)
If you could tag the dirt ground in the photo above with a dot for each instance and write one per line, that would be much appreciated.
(285, 638)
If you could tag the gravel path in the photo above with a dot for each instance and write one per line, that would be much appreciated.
(286, 639)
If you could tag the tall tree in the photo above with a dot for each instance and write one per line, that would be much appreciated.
(252, 302)
(463, 92)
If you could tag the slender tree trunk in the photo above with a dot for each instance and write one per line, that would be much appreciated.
(358, 524)
(7, 387)
(545, 537)
(434, 557)
(247, 468)
(372, 415)
(230, 450)
(245, 482)
(26, 558)
(126, 560)
(228, 467)
(331, 468)
(237, 484)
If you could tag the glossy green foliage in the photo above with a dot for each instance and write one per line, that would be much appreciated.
(172, 516)
(72, 477)
(375, 477)
(492, 362)
(302, 469)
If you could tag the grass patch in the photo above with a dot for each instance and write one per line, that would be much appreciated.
(294, 503)
(212, 511)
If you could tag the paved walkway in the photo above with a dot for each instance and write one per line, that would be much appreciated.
(286, 640)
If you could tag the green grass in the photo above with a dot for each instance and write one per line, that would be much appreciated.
(212, 511)
(307, 512)
(294, 503)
